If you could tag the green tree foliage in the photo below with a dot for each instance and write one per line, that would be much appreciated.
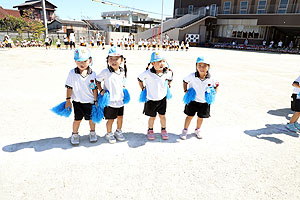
(26, 23)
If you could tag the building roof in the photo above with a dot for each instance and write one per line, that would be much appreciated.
(32, 2)
(70, 22)
(6, 12)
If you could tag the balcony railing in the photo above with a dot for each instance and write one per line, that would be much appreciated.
(268, 9)
(209, 10)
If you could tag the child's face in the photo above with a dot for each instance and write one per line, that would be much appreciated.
(115, 61)
(159, 65)
(83, 65)
(202, 68)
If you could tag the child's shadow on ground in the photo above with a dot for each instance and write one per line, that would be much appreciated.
(133, 140)
(284, 112)
(271, 129)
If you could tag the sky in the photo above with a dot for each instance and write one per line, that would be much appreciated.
(88, 9)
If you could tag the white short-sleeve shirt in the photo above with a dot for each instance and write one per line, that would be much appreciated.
(114, 83)
(156, 85)
(81, 91)
(296, 90)
(199, 85)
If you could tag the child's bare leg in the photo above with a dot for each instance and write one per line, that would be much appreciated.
(76, 125)
(162, 120)
(151, 122)
(295, 117)
(119, 122)
(92, 125)
(199, 122)
(109, 125)
(187, 121)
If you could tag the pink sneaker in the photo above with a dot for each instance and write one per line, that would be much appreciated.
(164, 135)
(150, 135)
(197, 133)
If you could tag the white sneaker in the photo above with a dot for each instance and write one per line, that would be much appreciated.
(183, 134)
(93, 136)
(75, 139)
(119, 135)
(297, 126)
(110, 138)
(197, 133)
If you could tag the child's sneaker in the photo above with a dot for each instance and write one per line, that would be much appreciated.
(197, 133)
(297, 125)
(164, 135)
(292, 127)
(150, 135)
(110, 138)
(75, 139)
(93, 136)
(119, 135)
(183, 134)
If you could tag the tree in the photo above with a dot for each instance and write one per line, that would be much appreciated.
(33, 25)
(11, 23)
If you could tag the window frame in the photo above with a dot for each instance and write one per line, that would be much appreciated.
(261, 10)
(225, 10)
(243, 9)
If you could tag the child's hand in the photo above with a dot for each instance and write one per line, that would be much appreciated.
(68, 104)
(103, 91)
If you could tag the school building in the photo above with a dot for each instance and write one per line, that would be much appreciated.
(259, 20)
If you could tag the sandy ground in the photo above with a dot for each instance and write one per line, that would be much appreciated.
(246, 153)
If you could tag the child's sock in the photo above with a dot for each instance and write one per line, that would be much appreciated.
(150, 129)
(163, 129)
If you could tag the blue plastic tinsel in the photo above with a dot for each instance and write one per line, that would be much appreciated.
(97, 114)
(210, 95)
(143, 96)
(61, 110)
(104, 100)
(126, 96)
(169, 94)
(189, 96)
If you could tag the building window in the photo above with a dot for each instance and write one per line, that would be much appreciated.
(191, 9)
(227, 7)
(125, 29)
(261, 7)
(282, 7)
(213, 9)
(244, 7)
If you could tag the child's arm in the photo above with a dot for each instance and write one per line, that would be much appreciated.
(296, 84)
(141, 84)
(95, 92)
(69, 93)
(101, 90)
(185, 86)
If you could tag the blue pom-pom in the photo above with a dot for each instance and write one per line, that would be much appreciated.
(97, 114)
(61, 110)
(189, 96)
(104, 100)
(210, 95)
(126, 96)
(143, 96)
(169, 94)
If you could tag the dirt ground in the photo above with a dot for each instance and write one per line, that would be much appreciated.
(246, 152)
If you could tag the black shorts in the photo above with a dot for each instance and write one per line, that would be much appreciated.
(113, 113)
(66, 43)
(119, 45)
(82, 110)
(202, 109)
(151, 108)
(58, 45)
(295, 103)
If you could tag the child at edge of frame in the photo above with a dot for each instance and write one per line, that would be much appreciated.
(83, 92)
(156, 79)
(199, 81)
(293, 124)
(112, 79)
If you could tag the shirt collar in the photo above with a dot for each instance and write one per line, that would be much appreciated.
(89, 70)
(206, 77)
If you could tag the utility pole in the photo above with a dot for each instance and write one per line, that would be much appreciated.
(45, 18)
(162, 20)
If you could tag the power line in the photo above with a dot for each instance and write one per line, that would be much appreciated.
(127, 7)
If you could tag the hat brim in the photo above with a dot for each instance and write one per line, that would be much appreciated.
(81, 59)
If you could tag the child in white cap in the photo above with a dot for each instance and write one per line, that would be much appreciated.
(156, 81)
(295, 106)
(112, 79)
(82, 90)
(199, 81)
